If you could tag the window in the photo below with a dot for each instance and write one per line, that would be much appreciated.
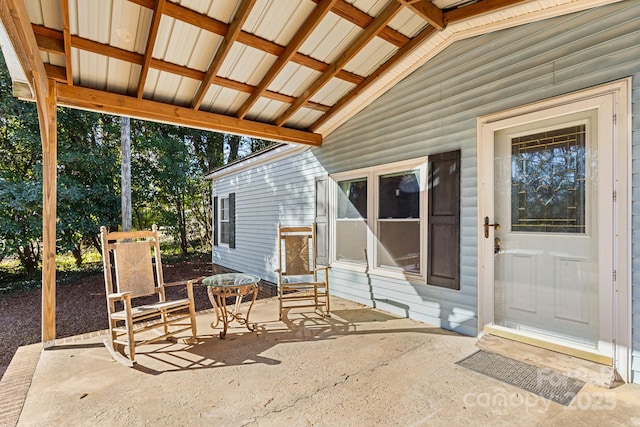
(351, 221)
(380, 218)
(398, 225)
(224, 220)
(400, 220)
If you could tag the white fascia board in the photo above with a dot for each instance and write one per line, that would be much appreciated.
(278, 153)
(18, 76)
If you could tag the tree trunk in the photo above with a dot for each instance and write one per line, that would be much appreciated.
(234, 146)
(125, 135)
(77, 255)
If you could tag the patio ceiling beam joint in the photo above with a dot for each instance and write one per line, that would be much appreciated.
(427, 11)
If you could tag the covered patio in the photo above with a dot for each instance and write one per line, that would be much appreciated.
(362, 366)
(247, 67)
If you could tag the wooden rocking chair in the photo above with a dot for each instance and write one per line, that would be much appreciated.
(298, 279)
(137, 272)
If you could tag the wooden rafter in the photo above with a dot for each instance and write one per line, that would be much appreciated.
(66, 37)
(427, 10)
(358, 44)
(207, 23)
(106, 102)
(397, 57)
(151, 42)
(303, 33)
(242, 13)
(356, 16)
(49, 40)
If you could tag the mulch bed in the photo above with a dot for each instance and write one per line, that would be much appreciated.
(81, 307)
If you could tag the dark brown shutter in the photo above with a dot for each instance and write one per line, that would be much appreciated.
(232, 220)
(215, 221)
(443, 267)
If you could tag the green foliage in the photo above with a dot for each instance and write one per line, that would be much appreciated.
(20, 177)
(168, 188)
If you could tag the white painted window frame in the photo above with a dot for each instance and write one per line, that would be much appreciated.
(221, 199)
(372, 174)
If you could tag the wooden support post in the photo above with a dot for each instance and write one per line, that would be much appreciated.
(48, 132)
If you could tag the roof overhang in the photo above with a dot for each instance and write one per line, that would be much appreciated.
(248, 67)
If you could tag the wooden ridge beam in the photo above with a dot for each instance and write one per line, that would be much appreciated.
(122, 105)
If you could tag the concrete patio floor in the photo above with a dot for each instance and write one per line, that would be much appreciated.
(361, 367)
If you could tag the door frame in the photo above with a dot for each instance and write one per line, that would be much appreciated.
(620, 298)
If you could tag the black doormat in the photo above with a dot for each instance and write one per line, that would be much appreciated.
(542, 382)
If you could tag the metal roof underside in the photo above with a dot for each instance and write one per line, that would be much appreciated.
(287, 70)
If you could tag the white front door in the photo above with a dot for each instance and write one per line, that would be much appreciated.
(547, 249)
(548, 222)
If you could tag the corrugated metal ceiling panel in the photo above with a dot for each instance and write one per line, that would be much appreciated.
(45, 12)
(304, 118)
(371, 57)
(370, 7)
(163, 87)
(220, 10)
(265, 109)
(179, 42)
(125, 19)
(125, 69)
(92, 69)
(293, 79)
(90, 19)
(223, 100)
(271, 21)
(330, 93)
(330, 38)
(246, 64)
(407, 23)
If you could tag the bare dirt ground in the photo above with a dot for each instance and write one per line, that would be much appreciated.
(81, 307)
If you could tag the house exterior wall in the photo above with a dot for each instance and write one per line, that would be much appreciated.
(435, 110)
(282, 191)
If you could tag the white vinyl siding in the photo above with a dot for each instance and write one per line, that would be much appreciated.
(434, 110)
